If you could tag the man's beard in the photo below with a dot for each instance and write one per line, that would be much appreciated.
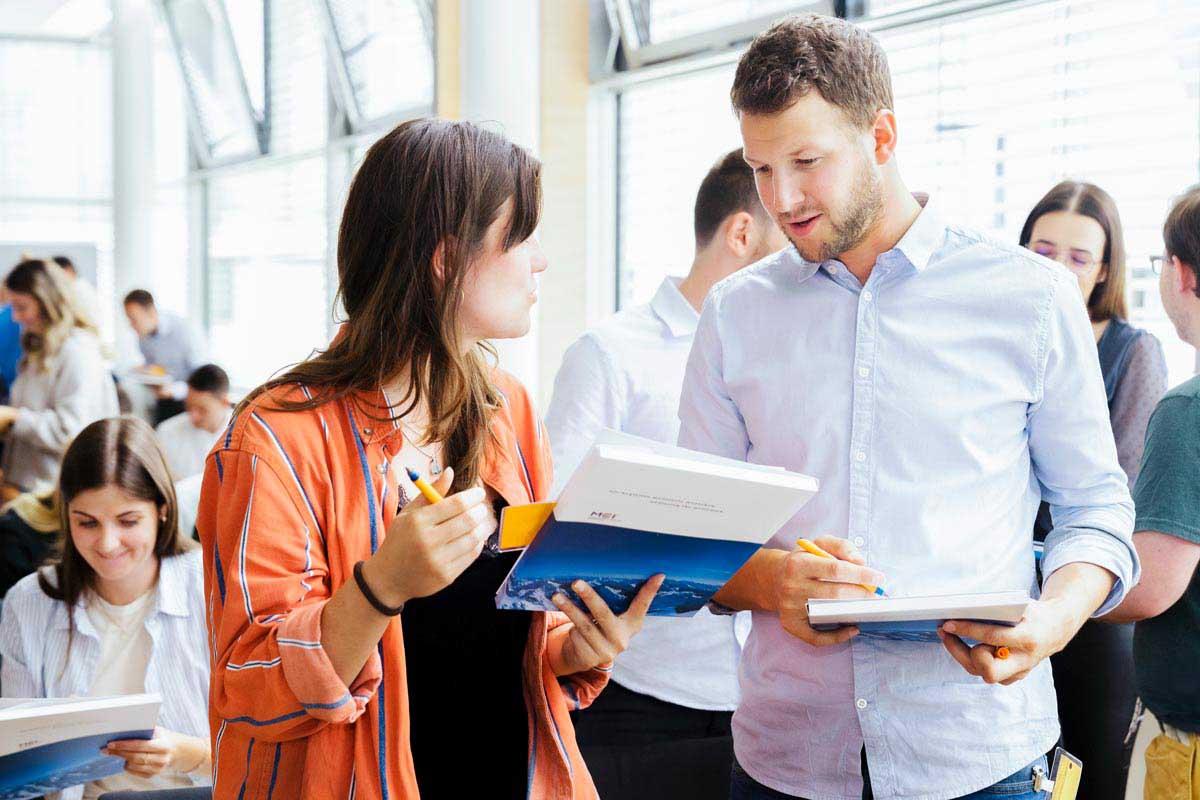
(866, 201)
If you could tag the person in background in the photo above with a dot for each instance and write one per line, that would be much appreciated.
(939, 383)
(168, 348)
(29, 528)
(661, 728)
(63, 382)
(1077, 225)
(120, 610)
(316, 541)
(85, 293)
(1166, 604)
(10, 346)
(186, 438)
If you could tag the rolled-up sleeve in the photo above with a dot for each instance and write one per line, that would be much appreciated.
(709, 420)
(1073, 454)
(267, 582)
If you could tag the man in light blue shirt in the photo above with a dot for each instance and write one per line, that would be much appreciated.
(661, 728)
(939, 384)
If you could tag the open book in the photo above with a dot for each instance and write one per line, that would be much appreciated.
(635, 508)
(917, 618)
(52, 744)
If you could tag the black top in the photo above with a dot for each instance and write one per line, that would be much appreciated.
(22, 549)
(466, 686)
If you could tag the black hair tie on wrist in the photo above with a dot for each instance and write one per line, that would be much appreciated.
(387, 611)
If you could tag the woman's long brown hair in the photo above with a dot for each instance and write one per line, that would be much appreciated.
(429, 183)
(46, 283)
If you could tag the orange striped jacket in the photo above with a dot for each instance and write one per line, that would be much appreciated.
(290, 501)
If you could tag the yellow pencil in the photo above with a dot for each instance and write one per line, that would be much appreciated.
(809, 547)
(431, 494)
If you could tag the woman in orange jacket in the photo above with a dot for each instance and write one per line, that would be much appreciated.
(316, 542)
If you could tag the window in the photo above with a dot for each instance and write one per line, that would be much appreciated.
(55, 185)
(225, 121)
(266, 255)
(994, 108)
(383, 56)
(671, 133)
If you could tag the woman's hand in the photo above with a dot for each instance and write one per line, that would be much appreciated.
(166, 750)
(428, 546)
(599, 639)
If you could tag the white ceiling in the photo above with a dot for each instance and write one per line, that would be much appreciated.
(55, 17)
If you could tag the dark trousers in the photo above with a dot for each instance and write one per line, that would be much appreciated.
(1098, 706)
(637, 746)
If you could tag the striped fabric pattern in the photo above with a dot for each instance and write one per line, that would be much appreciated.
(34, 632)
(291, 500)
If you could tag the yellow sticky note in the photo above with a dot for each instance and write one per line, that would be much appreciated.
(519, 524)
(1067, 774)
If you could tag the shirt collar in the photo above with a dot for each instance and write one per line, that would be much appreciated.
(916, 246)
(673, 308)
(172, 589)
(925, 235)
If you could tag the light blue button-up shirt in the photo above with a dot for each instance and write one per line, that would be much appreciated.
(937, 404)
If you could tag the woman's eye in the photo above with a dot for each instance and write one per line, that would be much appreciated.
(86, 523)
(763, 170)
(130, 523)
(806, 162)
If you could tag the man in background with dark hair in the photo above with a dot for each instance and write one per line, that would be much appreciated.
(661, 728)
(939, 384)
(170, 352)
(1166, 604)
(186, 438)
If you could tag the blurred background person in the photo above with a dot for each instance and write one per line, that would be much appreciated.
(62, 384)
(186, 438)
(170, 351)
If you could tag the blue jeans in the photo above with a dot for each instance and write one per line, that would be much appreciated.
(1018, 786)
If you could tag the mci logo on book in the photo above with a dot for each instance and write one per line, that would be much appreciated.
(607, 516)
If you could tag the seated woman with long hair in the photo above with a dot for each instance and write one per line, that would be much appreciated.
(63, 381)
(120, 610)
(315, 540)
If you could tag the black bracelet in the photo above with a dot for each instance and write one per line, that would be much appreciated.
(387, 611)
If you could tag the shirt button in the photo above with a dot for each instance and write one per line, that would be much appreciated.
(861, 703)
(863, 372)
(860, 456)
(859, 541)
(867, 296)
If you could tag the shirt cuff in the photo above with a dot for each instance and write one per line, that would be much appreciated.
(1098, 548)
(311, 675)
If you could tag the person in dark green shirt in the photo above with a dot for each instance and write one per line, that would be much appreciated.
(1166, 603)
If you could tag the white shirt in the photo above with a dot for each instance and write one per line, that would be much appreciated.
(626, 375)
(34, 658)
(125, 648)
(185, 445)
(937, 404)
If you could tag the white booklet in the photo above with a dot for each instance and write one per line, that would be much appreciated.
(49, 744)
(917, 618)
(635, 508)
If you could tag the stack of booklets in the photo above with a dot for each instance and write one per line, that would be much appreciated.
(917, 619)
(635, 508)
(51, 744)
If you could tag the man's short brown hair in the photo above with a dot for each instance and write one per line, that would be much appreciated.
(844, 63)
(1181, 231)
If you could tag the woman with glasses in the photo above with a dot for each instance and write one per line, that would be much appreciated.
(1077, 225)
